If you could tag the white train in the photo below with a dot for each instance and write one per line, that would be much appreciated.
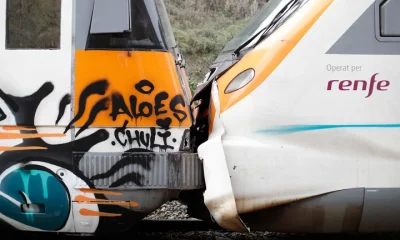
(303, 122)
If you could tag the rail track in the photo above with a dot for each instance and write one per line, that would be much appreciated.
(144, 226)
(175, 225)
(197, 229)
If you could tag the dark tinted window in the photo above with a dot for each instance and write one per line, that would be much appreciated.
(253, 26)
(165, 24)
(389, 18)
(33, 24)
(142, 34)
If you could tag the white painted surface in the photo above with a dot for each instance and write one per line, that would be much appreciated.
(272, 169)
(24, 71)
(108, 145)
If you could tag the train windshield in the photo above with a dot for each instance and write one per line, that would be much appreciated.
(165, 24)
(255, 25)
(135, 24)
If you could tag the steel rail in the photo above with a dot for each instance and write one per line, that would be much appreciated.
(174, 225)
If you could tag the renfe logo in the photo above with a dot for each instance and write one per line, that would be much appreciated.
(355, 85)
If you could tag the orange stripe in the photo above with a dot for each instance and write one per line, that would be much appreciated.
(19, 135)
(91, 213)
(83, 199)
(19, 128)
(266, 57)
(9, 149)
(213, 111)
(88, 190)
(117, 203)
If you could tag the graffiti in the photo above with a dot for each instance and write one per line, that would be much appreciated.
(137, 119)
(38, 185)
(96, 88)
(24, 111)
(100, 106)
(35, 185)
(101, 100)
(65, 101)
(136, 178)
(133, 109)
(148, 139)
(3, 116)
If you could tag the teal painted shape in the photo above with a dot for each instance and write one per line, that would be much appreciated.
(304, 128)
(42, 188)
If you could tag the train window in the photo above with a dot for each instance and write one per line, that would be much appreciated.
(387, 20)
(138, 33)
(33, 24)
(165, 24)
(255, 25)
(110, 16)
(280, 13)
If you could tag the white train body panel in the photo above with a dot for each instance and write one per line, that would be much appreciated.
(25, 70)
(312, 127)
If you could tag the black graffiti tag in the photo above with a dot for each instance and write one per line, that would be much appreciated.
(23, 110)
(3, 116)
(147, 109)
(97, 88)
(65, 101)
(145, 87)
(156, 138)
(133, 109)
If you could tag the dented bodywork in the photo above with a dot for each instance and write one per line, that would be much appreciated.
(302, 122)
(219, 196)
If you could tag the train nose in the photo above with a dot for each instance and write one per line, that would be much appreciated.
(219, 196)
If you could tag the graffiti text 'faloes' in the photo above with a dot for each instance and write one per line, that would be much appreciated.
(162, 107)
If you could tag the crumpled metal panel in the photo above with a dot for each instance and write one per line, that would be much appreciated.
(141, 170)
(219, 196)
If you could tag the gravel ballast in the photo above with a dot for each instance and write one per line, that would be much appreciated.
(173, 210)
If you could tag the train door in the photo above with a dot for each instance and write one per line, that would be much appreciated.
(35, 90)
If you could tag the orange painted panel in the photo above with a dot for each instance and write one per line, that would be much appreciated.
(140, 89)
(213, 112)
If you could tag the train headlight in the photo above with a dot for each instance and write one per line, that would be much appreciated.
(240, 80)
